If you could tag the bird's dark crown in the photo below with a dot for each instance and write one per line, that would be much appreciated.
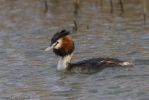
(59, 35)
(67, 45)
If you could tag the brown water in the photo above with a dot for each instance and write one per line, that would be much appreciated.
(28, 72)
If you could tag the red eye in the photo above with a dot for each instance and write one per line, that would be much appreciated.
(56, 43)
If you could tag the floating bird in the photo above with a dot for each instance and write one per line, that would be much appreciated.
(63, 46)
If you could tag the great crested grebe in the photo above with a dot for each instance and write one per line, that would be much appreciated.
(63, 46)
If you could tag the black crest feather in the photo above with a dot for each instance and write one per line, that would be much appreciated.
(58, 35)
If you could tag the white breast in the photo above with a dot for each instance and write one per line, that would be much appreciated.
(63, 62)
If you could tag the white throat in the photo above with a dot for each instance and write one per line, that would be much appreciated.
(63, 62)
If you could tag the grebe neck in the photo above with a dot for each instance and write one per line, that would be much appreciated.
(64, 61)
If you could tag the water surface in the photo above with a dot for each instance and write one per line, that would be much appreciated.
(27, 71)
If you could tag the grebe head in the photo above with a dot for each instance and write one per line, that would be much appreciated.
(62, 44)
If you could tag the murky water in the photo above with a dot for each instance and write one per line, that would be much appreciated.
(28, 72)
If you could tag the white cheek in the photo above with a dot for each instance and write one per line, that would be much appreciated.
(58, 45)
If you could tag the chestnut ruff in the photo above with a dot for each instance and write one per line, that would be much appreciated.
(65, 51)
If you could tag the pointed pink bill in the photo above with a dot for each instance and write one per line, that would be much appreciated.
(49, 48)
